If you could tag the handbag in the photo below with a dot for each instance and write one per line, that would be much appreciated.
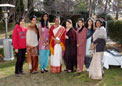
(91, 52)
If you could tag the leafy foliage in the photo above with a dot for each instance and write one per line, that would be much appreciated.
(115, 31)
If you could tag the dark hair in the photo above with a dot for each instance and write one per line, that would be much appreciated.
(43, 22)
(80, 19)
(86, 25)
(99, 21)
(57, 17)
(20, 19)
(69, 20)
(31, 18)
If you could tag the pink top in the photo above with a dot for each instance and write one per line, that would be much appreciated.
(45, 35)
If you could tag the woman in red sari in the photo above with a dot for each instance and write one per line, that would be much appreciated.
(81, 44)
(57, 40)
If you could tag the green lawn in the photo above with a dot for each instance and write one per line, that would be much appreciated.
(112, 77)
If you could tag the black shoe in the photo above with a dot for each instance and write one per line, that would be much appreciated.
(42, 71)
(23, 73)
(65, 70)
(45, 70)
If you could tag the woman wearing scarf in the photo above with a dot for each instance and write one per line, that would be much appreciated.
(57, 45)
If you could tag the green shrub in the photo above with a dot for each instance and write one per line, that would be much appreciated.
(2, 27)
(1, 51)
(115, 31)
(103, 16)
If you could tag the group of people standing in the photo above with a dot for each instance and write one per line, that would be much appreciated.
(58, 42)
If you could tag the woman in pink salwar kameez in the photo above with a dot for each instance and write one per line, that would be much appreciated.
(81, 44)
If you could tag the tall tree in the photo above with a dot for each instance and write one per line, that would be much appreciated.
(19, 9)
(117, 7)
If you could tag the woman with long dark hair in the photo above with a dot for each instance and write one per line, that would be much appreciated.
(90, 30)
(19, 44)
(81, 44)
(44, 43)
(70, 54)
(98, 44)
(32, 45)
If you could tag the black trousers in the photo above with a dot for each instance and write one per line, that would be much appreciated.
(87, 61)
(20, 60)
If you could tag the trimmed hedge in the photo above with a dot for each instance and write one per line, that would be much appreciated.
(115, 31)
(108, 17)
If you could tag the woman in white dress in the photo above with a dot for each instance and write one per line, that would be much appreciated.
(98, 44)
(32, 38)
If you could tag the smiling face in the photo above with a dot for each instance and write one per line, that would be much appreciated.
(90, 22)
(98, 24)
(45, 17)
(22, 22)
(68, 25)
(80, 23)
(57, 21)
(33, 21)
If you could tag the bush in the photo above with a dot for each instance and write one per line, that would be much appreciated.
(2, 26)
(103, 16)
(1, 51)
(115, 31)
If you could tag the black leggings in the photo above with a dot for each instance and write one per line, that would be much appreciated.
(20, 61)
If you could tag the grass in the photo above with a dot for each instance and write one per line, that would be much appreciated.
(112, 77)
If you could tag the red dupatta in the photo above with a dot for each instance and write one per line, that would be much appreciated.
(60, 34)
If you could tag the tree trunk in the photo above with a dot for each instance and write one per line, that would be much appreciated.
(117, 14)
(105, 10)
(19, 9)
(30, 7)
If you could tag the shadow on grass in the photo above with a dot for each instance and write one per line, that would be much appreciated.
(112, 77)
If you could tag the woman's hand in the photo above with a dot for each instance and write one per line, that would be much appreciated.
(16, 50)
(47, 43)
(44, 43)
(92, 46)
(27, 49)
(66, 37)
(78, 45)
(57, 41)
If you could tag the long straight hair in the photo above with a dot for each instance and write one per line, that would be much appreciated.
(43, 24)
(92, 26)
(31, 18)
